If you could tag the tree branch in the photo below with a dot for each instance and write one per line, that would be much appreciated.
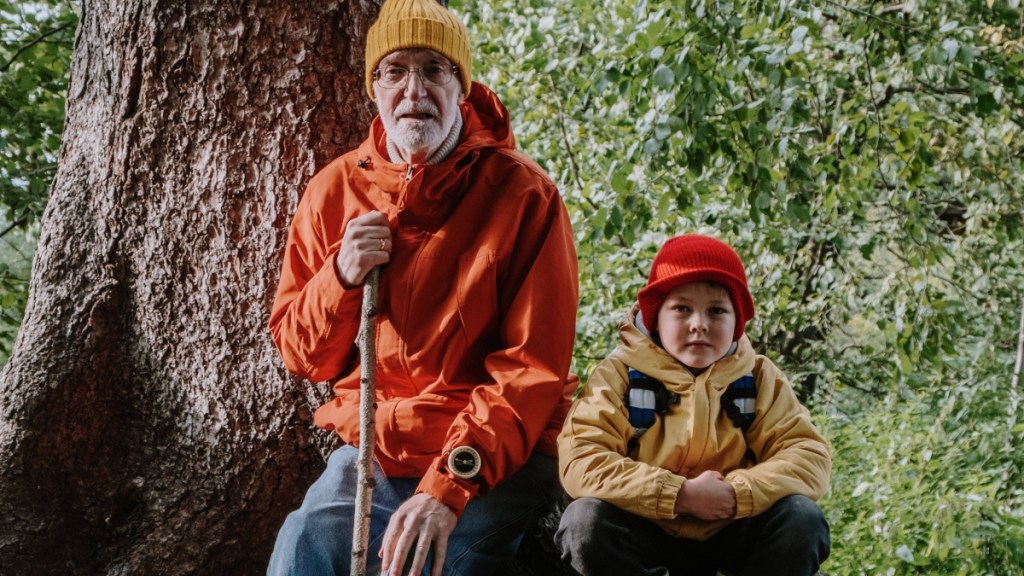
(937, 90)
(568, 145)
(877, 115)
(1011, 420)
(1020, 357)
(35, 41)
(16, 224)
(867, 14)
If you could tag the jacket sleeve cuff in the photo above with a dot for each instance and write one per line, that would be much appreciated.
(326, 294)
(329, 284)
(670, 487)
(744, 495)
(452, 493)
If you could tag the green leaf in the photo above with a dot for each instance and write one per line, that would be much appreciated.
(664, 77)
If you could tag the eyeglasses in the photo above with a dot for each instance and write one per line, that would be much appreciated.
(394, 76)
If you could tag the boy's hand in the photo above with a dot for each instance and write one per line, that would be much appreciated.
(708, 497)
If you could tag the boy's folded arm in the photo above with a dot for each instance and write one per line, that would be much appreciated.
(793, 457)
(592, 452)
(636, 487)
(802, 469)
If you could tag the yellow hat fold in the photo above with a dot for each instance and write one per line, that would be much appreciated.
(404, 24)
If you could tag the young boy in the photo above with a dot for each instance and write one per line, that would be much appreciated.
(666, 480)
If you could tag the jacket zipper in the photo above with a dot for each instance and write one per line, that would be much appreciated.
(408, 173)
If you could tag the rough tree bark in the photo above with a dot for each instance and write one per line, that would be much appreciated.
(147, 425)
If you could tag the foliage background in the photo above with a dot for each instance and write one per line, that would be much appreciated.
(35, 54)
(865, 159)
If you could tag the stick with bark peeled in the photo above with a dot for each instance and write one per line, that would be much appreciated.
(1015, 381)
(367, 382)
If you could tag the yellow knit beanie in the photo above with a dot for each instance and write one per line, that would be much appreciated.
(418, 24)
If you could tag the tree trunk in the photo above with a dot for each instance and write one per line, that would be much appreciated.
(147, 423)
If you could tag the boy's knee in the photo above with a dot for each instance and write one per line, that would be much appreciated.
(579, 527)
(802, 522)
(800, 512)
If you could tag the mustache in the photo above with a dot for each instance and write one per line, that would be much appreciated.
(420, 108)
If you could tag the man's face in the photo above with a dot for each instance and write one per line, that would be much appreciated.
(417, 117)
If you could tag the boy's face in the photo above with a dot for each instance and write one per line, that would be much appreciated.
(696, 323)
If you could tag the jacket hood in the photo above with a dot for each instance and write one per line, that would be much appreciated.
(485, 124)
(423, 195)
(639, 350)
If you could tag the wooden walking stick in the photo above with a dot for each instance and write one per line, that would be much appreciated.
(367, 382)
(1015, 381)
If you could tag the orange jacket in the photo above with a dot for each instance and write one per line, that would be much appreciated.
(477, 305)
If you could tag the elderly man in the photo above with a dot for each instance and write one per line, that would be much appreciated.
(477, 317)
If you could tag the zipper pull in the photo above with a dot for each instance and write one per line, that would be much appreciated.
(408, 175)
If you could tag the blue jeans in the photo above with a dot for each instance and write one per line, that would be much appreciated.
(316, 539)
(789, 539)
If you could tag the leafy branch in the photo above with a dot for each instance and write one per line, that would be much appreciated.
(573, 164)
(869, 15)
(17, 223)
(37, 40)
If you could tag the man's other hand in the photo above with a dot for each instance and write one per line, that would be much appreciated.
(419, 523)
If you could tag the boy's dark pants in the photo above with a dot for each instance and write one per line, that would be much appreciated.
(789, 539)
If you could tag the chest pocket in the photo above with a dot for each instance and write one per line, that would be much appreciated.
(451, 312)
(477, 294)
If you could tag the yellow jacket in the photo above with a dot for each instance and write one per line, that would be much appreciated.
(694, 436)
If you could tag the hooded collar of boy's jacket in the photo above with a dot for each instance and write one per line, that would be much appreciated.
(638, 350)
(427, 198)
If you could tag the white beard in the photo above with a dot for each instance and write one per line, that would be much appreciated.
(414, 136)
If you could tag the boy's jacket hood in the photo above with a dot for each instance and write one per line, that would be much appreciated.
(639, 350)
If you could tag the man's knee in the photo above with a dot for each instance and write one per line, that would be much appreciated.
(305, 546)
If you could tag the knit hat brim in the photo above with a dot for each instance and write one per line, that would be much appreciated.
(694, 258)
(411, 24)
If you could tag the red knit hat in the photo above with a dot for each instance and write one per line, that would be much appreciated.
(696, 258)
